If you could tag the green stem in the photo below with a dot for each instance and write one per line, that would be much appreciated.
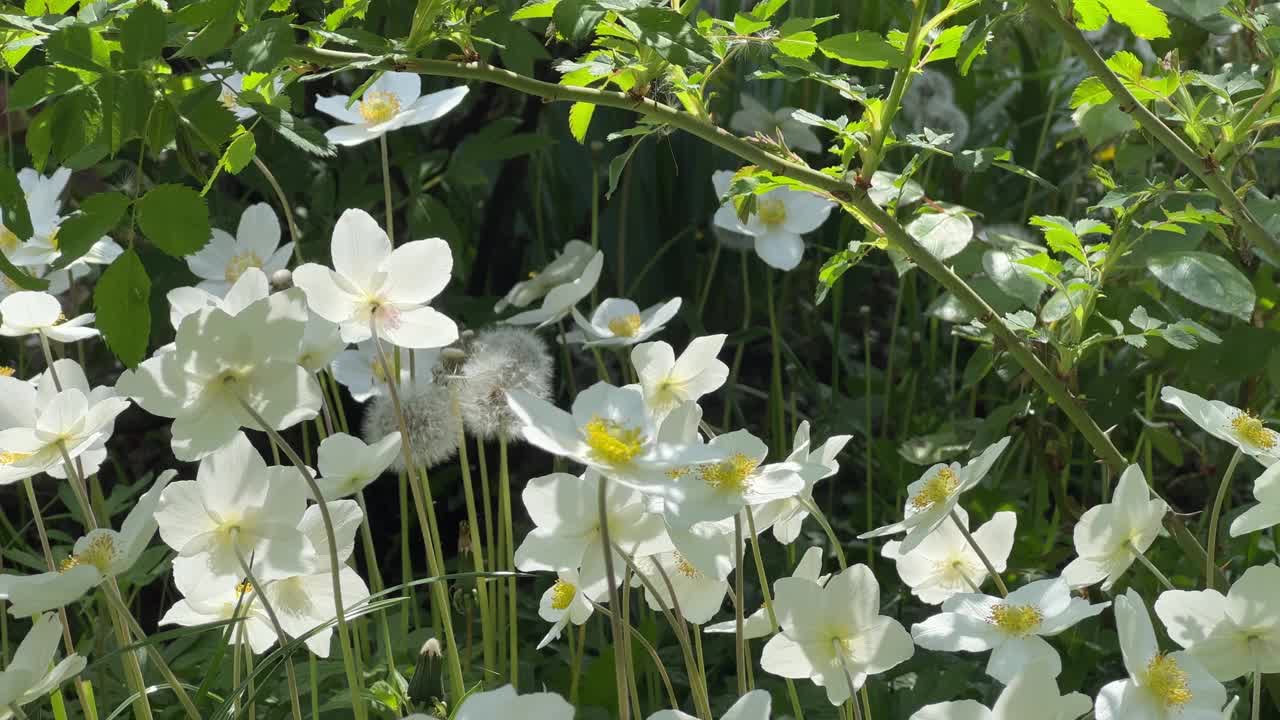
(615, 622)
(653, 654)
(375, 578)
(739, 642)
(767, 591)
(982, 555)
(289, 221)
(1211, 544)
(1150, 566)
(295, 702)
(777, 401)
(884, 123)
(386, 189)
(504, 498)
(488, 637)
(822, 521)
(115, 599)
(576, 651)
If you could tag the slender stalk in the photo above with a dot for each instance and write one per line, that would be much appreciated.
(375, 578)
(513, 620)
(1255, 711)
(576, 651)
(350, 659)
(884, 122)
(295, 703)
(386, 189)
(487, 630)
(1211, 544)
(765, 588)
(313, 672)
(653, 654)
(117, 601)
(777, 400)
(818, 515)
(289, 221)
(982, 555)
(1150, 566)
(615, 622)
(848, 678)
(739, 642)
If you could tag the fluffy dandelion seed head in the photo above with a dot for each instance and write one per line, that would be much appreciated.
(239, 263)
(1016, 620)
(1167, 682)
(733, 474)
(1249, 428)
(431, 427)
(379, 106)
(500, 360)
(625, 325)
(772, 211)
(6, 371)
(562, 593)
(937, 490)
(611, 442)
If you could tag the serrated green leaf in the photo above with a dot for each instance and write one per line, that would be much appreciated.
(669, 34)
(580, 120)
(1090, 91)
(98, 215)
(122, 302)
(745, 24)
(943, 234)
(798, 45)
(534, 10)
(300, 133)
(766, 9)
(78, 46)
(142, 34)
(862, 49)
(41, 83)
(576, 19)
(13, 204)
(174, 218)
(1141, 16)
(264, 46)
(219, 21)
(239, 153)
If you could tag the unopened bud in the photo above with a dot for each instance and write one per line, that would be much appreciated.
(282, 279)
(431, 648)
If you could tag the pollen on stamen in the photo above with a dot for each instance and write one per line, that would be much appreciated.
(379, 106)
(562, 593)
(9, 457)
(937, 490)
(239, 264)
(771, 211)
(611, 442)
(1249, 427)
(1017, 620)
(6, 371)
(732, 474)
(1167, 682)
(686, 568)
(626, 325)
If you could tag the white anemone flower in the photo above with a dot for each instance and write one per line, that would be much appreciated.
(562, 298)
(36, 313)
(566, 601)
(669, 381)
(373, 287)
(1032, 693)
(566, 535)
(505, 703)
(305, 602)
(619, 322)
(362, 373)
(700, 594)
(68, 424)
(219, 364)
(44, 206)
(26, 402)
(100, 554)
(834, 635)
(391, 102)
(754, 118)
(210, 600)
(1226, 422)
(1265, 514)
(610, 431)
(932, 498)
(1012, 628)
(256, 245)
(1161, 686)
(755, 705)
(321, 344)
(1231, 635)
(1110, 536)
(945, 564)
(347, 465)
(566, 267)
(238, 505)
(757, 624)
(251, 286)
(781, 218)
(710, 492)
(787, 516)
(29, 677)
(232, 86)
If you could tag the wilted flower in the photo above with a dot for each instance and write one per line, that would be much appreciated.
(1231, 635)
(1239, 427)
(29, 678)
(432, 426)
(945, 564)
(562, 298)
(1012, 628)
(1109, 537)
(256, 245)
(36, 313)
(568, 266)
(393, 101)
(782, 216)
(499, 360)
(754, 118)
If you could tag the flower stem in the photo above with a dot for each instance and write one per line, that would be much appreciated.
(576, 651)
(982, 555)
(386, 189)
(504, 498)
(615, 621)
(1256, 711)
(653, 654)
(739, 642)
(259, 593)
(777, 399)
(1137, 554)
(375, 578)
(350, 659)
(487, 631)
(765, 588)
(1211, 544)
(289, 221)
(117, 600)
(848, 678)
(812, 507)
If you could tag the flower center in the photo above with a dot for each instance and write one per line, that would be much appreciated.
(6, 371)
(732, 474)
(228, 99)
(612, 442)
(686, 568)
(1249, 427)
(1017, 620)
(772, 211)
(625, 325)
(244, 588)
(379, 106)
(8, 457)
(53, 239)
(1167, 682)
(8, 240)
(238, 264)
(937, 490)
(99, 553)
(562, 594)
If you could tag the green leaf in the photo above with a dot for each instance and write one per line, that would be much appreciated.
(669, 34)
(1143, 18)
(40, 83)
(13, 204)
(263, 47)
(1207, 280)
(576, 19)
(219, 20)
(142, 34)
(98, 215)
(799, 44)
(239, 153)
(744, 24)
(535, 10)
(766, 9)
(174, 218)
(1090, 91)
(122, 301)
(78, 46)
(296, 131)
(580, 120)
(619, 162)
(19, 276)
(862, 49)
(943, 234)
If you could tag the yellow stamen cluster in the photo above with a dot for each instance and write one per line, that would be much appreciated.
(53, 239)
(6, 371)
(379, 106)
(937, 490)
(8, 457)
(625, 325)
(244, 587)
(611, 442)
(732, 474)
(1167, 682)
(686, 568)
(99, 553)
(1249, 427)
(1017, 620)
(562, 594)
(771, 211)
(228, 99)
(241, 262)
(62, 317)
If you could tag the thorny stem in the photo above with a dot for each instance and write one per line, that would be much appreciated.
(259, 593)
(615, 622)
(350, 659)
(982, 555)
(901, 78)
(1211, 545)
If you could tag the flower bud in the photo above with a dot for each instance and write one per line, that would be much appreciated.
(281, 279)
